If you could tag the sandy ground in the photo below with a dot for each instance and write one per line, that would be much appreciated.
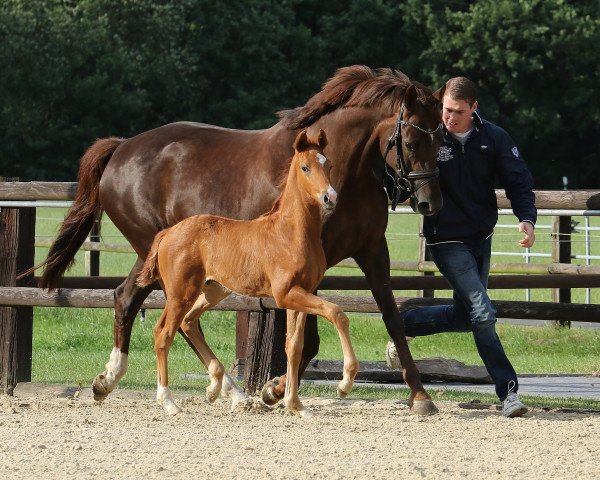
(58, 432)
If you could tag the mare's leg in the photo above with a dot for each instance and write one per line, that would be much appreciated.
(274, 389)
(221, 382)
(128, 300)
(299, 299)
(375, 263)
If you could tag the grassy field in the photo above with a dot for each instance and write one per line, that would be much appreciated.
(72, 345)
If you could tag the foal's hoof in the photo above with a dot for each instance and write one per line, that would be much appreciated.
(304, 413)
(100, 390)
(171, 408)
(212, 394)
(423, 407)
(268, 394)
(241, 404)
(341, 393)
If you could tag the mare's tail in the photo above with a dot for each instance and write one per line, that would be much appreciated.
(149, 273)
(81, 216)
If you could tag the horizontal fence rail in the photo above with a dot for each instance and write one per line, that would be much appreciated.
(566, 199)
(406, 282)
(101, 298)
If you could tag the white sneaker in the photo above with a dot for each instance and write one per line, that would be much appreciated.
(512, 406)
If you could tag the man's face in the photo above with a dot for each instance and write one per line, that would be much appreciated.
(456, 114)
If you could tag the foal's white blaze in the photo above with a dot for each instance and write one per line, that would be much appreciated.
(322, 159)
(332, 194)
(431, 135)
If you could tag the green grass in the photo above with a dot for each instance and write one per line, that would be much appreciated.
(72, 345)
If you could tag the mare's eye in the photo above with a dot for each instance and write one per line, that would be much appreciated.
(410, 146)
(305, 168)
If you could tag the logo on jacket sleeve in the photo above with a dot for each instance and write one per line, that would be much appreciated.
(515, 152)
(444, 154)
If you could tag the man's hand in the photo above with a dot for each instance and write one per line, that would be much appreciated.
(529, 231)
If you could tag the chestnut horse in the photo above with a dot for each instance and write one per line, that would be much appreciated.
(203, 258)
(157, 178)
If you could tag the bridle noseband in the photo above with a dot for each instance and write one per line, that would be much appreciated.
(404, 181)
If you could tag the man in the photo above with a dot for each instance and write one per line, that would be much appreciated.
(475, 153)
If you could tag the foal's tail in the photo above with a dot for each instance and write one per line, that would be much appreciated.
(150, 273)
(80, 218)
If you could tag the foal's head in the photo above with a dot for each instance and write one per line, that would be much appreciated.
(313, 168)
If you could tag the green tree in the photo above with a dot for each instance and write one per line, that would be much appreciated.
(537, 70)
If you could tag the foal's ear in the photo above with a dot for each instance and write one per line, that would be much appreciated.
(410, 96)
(301, 142)
(322, 140)
(439, 93)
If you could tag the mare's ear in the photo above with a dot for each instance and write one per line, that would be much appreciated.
(439, 93)
(410, 96)
(301, 141)
(322, 140)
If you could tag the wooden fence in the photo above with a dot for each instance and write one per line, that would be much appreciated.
(260, 327)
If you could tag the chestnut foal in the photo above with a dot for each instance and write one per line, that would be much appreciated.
(202, 259)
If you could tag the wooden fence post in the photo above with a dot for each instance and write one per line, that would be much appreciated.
(260, 346)
(92, 258)
(265, 348)
(424, 255)
(8, 315)
(561, 253)
(17, 236)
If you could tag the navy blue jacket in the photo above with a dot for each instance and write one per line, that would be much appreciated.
(468, 175)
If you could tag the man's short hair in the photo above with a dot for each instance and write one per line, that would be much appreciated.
(461, 88)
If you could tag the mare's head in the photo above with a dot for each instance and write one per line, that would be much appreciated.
(312, 168)
(419, 139)
(358, 102)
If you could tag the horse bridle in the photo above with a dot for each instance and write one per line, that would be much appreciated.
(404, 181)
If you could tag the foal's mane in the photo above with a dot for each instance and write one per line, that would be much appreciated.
(353, 86)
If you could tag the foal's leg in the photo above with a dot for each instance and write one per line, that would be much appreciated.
(221, 382)
(294, 343)
(128, 300)
(299, 299)
(274, 389)
(164, 334)
(374, 261)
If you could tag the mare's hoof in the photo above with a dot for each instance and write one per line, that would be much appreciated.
(423, 407)
(268, 392)
(99, 389)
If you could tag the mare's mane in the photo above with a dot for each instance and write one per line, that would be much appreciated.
(354, 86)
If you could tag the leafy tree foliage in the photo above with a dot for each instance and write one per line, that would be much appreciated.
(76, 70)
(537, 69)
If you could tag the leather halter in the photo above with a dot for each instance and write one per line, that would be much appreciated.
(404, 180)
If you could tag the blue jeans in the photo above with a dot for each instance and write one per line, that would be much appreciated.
(466, 267)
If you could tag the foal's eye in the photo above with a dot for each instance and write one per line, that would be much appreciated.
(305, 168)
